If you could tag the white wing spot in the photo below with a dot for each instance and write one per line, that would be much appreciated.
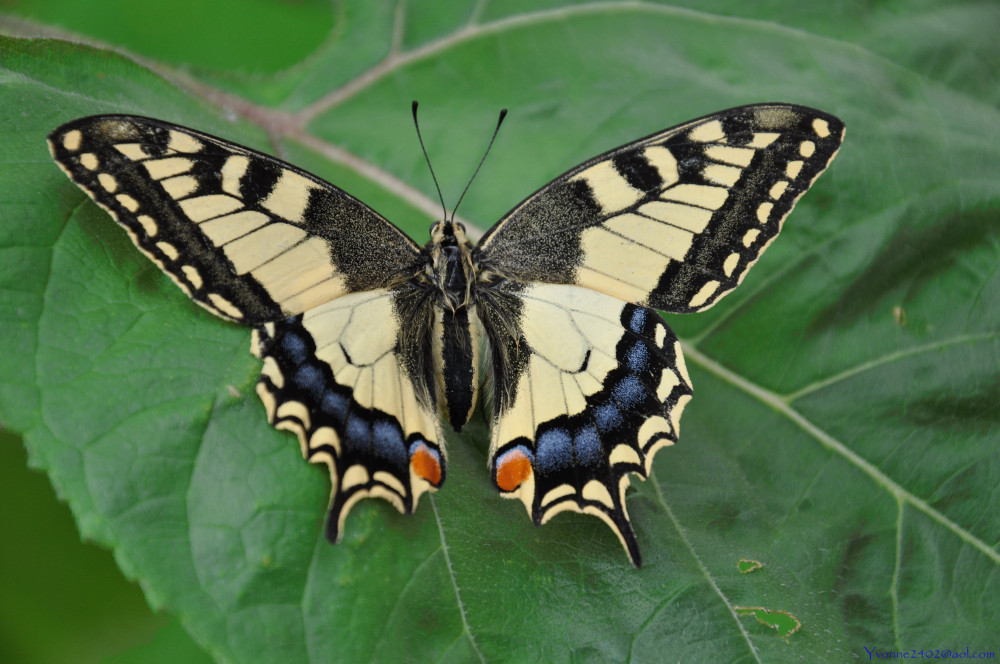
(750, 237)
(89, 161)
(663, 238)
(702, 296)
(289, 197)
(668, 381)
(663, 160)
(611, 190)
(793, 169)
(169, 250)
(72, 139)
(709, 132)
(778, 189)
(555, 494)
(192, 275)
(764, 211)
(655, 426)
(272, 371)
(807, 148)
(390, 481)
(821, 127)
(148, 224)
(109, 183)
(224, 305)
(323, 436)
(253, 250)
(232, 172)
(231, 226)
(128, 202)
(681, 367)
(731, 262)
(763, 139)
(182, 142)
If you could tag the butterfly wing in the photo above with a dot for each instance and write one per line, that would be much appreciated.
(672, 221)
(247, 236)
(349, 378)
(323, 276)
(588, 388)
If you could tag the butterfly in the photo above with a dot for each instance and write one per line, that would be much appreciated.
(367, 339)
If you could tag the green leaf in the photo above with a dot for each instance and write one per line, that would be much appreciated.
(843, 430)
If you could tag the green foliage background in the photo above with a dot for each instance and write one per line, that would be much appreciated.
(844, 426)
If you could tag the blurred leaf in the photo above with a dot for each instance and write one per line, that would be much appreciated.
(50, 578)
(843, 431)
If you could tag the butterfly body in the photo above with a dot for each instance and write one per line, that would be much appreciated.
(367, 338)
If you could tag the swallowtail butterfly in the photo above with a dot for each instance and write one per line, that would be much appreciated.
(366, 337)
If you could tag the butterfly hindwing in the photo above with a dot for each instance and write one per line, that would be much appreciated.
(340, 377)
(247, 236)
(674, 220)
(589, 387)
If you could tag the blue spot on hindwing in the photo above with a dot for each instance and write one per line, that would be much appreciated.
(555, 450)
(637, 357)
(587, 445)
(638, 321)
(629, 392)
(388, 440)
(294, 347)
(335, 404)
(309, 378)
(357, 432)
(607, 417)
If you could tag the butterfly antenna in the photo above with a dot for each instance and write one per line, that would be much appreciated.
(420, 138)
(503, 114)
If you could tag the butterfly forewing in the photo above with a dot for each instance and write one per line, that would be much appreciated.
(249, 237)
(674, 220)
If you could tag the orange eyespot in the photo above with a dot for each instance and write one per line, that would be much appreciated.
(426, 464)
(513, 468)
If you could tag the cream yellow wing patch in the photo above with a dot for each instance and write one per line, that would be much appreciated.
(335, 378)
(245, 235)
(594, 387)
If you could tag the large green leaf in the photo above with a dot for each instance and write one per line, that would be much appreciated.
(843, 431)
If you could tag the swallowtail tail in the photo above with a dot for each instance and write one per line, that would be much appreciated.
(366, 337)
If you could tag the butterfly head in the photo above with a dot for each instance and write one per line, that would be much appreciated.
(450, 267)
